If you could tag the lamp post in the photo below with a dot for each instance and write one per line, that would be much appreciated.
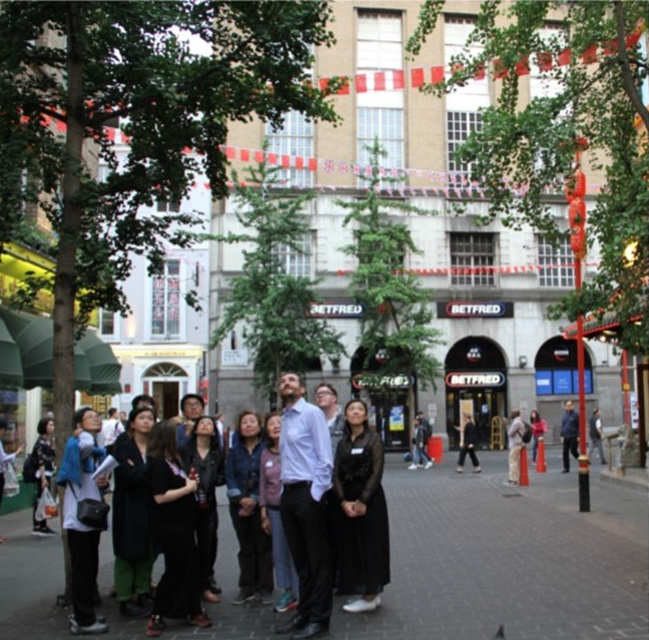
(575, 193)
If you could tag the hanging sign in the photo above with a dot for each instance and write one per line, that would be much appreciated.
(346, 309)
(475, 379)
(462, 309)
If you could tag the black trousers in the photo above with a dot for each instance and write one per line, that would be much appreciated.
(305, 527)
(207, 523)
(255, 552)
(570, 446)
(474, 458)
(84, 561)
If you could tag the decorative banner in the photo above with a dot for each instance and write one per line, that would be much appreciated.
(508, 270)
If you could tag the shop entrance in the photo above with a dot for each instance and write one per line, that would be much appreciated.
(476, 383)
(166, 382)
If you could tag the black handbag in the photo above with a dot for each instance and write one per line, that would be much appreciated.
(92, 513)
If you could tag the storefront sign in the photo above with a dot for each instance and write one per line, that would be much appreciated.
(376, 382)
(461, 309)
(475, 379)
(336, 310)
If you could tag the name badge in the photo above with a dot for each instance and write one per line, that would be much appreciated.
(356, 452)
(269, 464)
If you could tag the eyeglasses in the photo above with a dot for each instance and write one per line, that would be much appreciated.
(193, 404)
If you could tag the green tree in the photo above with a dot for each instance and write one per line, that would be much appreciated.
(534, 145)
(67, 69)
(397, 325)
(272, 303)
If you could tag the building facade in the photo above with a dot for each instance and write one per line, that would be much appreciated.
(491, 286)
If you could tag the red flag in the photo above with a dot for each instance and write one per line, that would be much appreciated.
(379, 81)
(564, 57)
(590, 55)
(632, 39)
(344, 88)
(417, 77)
(244, 155)
(313, 164)
(324, 84)
(231, 153)
(544, 60)
(286, 161)
(397, 79)
(272, 158)
(610, 47)
(299, 162)
(437, 74)
(479, 72)
(500, 70)
(361, 83)
(259, 156)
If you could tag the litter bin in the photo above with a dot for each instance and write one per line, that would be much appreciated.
(436, 448)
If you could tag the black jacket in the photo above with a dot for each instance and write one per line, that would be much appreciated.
(210, 470)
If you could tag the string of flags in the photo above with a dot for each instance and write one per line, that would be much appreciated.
(482, 270)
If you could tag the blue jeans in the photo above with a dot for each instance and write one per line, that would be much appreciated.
(285, 573)
(419, 456)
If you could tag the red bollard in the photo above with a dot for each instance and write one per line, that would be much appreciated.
(525, 478)
(541, 467)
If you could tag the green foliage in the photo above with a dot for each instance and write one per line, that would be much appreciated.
(86, 63)
(272, 304)
(524, 153)
(396, 315)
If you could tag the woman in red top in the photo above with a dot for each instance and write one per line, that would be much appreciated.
(539, 427)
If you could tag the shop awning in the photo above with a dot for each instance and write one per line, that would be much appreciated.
(11, 368)
(104, 368)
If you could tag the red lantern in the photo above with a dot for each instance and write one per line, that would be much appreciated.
(578, 243)
(575, 186)
(577, 213)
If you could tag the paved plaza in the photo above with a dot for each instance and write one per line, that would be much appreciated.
(468, 554)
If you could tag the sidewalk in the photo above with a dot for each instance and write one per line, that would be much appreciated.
(468, 553)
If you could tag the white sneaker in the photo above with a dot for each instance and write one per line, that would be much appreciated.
(361, 605)
(413, 466)
(428, 465)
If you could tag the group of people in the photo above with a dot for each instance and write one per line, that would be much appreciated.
(305, 501)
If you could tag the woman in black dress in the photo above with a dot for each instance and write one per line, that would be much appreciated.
(468, 444)
(364, 541)
(44, 453)
(173, 522)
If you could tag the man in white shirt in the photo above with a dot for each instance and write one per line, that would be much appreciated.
(110, 429)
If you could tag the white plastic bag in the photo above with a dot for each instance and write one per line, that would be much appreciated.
(47, 507)
(12, 486)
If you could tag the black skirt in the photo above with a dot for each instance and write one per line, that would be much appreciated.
(363, 553)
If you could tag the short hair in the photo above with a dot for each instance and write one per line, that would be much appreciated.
(595, 410)
(79, 415)
(191, 396)
(300, 376)
(326, 385)
(142, 398)
(41, 427)
(267, 418)
(112, 411)
(515, 413)
(366, 423)
(243, 414)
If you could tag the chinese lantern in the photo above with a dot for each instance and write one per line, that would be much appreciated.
(575, 186)
(577, 213)
(578, 243)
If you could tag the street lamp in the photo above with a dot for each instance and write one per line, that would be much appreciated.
(575, 192)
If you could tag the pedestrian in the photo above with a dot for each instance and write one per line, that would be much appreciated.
(80, 460)
(173, 525)
(44, 454)
(242, 470)
(364, 546)
(305, 452)
(515, 442)
(420, 458)
(270, 489)
(539, 428)
(111, 428)
(468, 444)
(596, 433)
(191, 407)
(5, 458)
(569, 435)
(132, 541)
(204, 455)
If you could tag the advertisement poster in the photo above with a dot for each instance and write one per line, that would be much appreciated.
(397, 421)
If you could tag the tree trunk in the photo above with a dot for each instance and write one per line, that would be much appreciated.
(65, 275)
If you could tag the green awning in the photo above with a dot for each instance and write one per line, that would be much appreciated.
(11, 368)
(34, 337)
(104, 368)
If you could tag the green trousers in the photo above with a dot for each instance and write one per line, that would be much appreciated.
(133, 576)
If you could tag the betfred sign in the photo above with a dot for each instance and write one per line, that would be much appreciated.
(335, 310)
(475, 379)
(463, 309)
(399, 381)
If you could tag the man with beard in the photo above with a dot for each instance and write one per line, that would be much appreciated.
(305, 453)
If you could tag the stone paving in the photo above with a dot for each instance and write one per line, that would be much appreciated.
(468, 554)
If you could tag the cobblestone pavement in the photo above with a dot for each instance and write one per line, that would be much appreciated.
(468, 553)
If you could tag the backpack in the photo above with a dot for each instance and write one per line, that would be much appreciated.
(527, 433)
(427, 431)
(30, 468)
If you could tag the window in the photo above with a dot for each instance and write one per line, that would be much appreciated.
(459, 125)
(108, 324)
(166, 206)
(295, 263)
(470, 254)
(166, 302)
(294, 138)
(380, 113)
(556, 264)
